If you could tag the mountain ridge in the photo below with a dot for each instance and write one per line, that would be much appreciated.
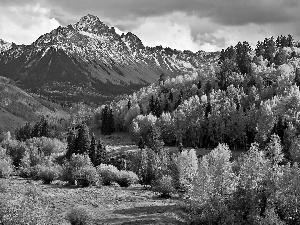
(89, 58)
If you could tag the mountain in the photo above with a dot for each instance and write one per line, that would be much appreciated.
(18, 107)
(4, 46)
(90, 61)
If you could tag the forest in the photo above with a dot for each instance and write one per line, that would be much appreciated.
(248, 102)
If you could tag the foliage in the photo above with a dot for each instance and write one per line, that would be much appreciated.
(87, 176)
(165, 186)
(126, 178)
(153, 165)
(16, 150)
(80, 216)
(186, 164)
(6, 167)
(97, 152)
(108, 173)
(47, 146)
(49, 173)
(107, 126)
(213, 186)
(79, 168)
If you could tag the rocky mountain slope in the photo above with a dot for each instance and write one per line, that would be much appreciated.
(18, 107)
(91, 61)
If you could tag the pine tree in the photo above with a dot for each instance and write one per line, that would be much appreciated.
(24, 133)
(45, 128)
(107, 126)
(71, 143)
(82, 142)
(36, 130)
(98, 153)
(152, 104)
(93, 147)
(141, 143)
(157, 110)
(129, 104)
(167, 106)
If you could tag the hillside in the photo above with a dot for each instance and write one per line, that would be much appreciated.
(89, 61)
(18, 107)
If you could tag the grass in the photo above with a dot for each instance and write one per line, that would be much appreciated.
(107, 204)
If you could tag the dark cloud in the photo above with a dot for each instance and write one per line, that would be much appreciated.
(227, 12)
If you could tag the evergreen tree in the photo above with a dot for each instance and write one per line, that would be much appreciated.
(167, 106)
(243, 59)
(280, 57)
(45, 128)
(297, 77)
(171, 97)
(129, 104)
(82, 142)
(98, 153)
(36, 130)
(93, 147)
(157, 109)
(24, 133)
(162, 79)
(107, 126)
(141, 143)
(152, 104)
(259, 49)
(269, 47)
(71, 143)
(290, 41)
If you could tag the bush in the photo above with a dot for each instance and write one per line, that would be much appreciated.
(6, 167)
(48, 173)
(126, 178)
(164, 186)
(47, 146)
(79, 169)
(87, 176)
(80, 216)
(16, 150)
(108, 173)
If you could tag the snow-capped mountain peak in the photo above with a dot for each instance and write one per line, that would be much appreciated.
(91, 58)
(4, 46)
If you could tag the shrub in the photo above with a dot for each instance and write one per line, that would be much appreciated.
(164, 186)
(48, 173)
(16, 150)
(87, 176)
(108, 173)
(47, 146)
(80, 216)
(126, 178)
(79, 168)
(6, 167)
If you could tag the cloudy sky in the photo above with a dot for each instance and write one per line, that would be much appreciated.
(208, 25)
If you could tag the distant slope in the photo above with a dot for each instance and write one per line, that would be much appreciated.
(89, 61)
(18, 107)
